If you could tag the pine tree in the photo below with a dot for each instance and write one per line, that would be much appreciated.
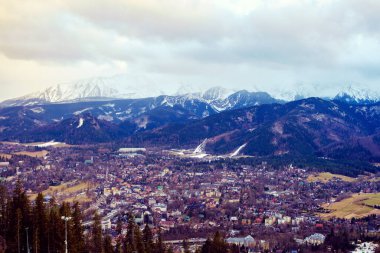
(18, 213)
(55, 226)
(148, 239)
(3, 210)
(39, 242)
(206, 248)
(218, 244)
(185, 246)
(119, 226)
(97, 234)
(119, 238)
(77, 244)
(19, 229)
(65, 211)
(138, 240)
(129, 242)
(159, 245)
(107, 244)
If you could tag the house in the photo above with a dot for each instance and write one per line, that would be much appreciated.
(270, 221)
(315, 239)
(106, 224)
(88, 162)
(159, 207)
(247, 241)
(246, 222)
(131, 150)
(4, 164)
(233, 218)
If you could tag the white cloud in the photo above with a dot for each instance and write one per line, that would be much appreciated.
(236, 43)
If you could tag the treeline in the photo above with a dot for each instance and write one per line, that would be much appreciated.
(352, 168)
(40, 227)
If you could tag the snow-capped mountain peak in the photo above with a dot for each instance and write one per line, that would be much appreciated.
(216, 93)
(358, 95)
(208, 95)
(90, 88)
(116, 87)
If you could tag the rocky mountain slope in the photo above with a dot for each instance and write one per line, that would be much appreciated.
(312, 126)
(323, 128)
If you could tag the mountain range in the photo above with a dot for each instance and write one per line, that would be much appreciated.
(313, 126)
(118, 87)
(24, 122)
(214, 121)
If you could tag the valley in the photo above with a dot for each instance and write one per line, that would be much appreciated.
(305, 171)
(183, 190)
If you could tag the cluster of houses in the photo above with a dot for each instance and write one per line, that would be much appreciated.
(189, 197)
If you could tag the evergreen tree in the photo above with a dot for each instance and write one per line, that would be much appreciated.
(206, 248)
(39, 226)
(119, 226)
(138, 240)
(159, 245)
(55, 237)
(97, 234)
(77, 244)
(218, 244)
(185, 246)
(65, 211)
(170, 250)
(18, 218)
(107, 244)
(3, 210)
(119, 236)
(129, 243)
(148, 239)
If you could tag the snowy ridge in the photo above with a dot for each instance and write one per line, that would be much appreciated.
(358, 95)
(219, 98)
(117, 87)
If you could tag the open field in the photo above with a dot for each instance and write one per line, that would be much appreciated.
(373, 200)
(81, 198)
(38, 154)
(69, 192)
(356, 206)
(38, 144)
(324, 177)
(9, 143)
(375, 179)
(6, 156)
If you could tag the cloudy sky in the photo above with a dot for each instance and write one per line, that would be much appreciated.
(254, 44)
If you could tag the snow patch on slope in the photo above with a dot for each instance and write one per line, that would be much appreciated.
(81, 121)
(37, 110)
(82, 111)
(48, 144)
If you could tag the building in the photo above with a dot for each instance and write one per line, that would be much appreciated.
(247, 241)
(315, 239)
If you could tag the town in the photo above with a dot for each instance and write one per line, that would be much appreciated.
(252, 204)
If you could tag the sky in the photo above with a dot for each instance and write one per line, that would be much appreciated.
(269, 45)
